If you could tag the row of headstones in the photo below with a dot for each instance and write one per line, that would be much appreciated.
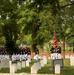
(57, 66)
(19, 65)
(44, 61)
(71, 57)
(34, 68)
(38, 65)
(13, 66)
(66, 56)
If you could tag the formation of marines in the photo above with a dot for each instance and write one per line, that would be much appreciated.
(55, 52)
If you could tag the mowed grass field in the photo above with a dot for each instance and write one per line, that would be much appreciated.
(67, 70)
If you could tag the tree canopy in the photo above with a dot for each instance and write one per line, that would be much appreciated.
(34, 22)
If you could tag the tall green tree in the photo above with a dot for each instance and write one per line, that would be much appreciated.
(60, 11)
(35, 16)
(70, 22)
(10, 28)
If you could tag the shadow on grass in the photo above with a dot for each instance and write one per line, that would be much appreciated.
(4, 70)
(68, 70)
(45, 70)
(27, 69)
(24, 70)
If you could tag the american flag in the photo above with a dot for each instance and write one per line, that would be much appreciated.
(54, 40)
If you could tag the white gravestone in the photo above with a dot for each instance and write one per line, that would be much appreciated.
(39, 65)
(67, 56)
(57, 69)
(42, 63)
(45, 60)
(0, 65)
(10, 63)
(14, 64)
(19, 65)
(5, 63)
(27, 63)
(72, 60)
(34, 69)
(23, 64)
(12, 68)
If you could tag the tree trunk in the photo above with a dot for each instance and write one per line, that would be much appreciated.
(63, 47)
(34, 47)
(73, 47)
(34, 34)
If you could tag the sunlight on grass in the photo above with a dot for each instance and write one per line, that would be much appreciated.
(66, 62)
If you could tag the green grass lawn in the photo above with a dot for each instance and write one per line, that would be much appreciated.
(26, 69)
(4, 70)
(67, 70)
